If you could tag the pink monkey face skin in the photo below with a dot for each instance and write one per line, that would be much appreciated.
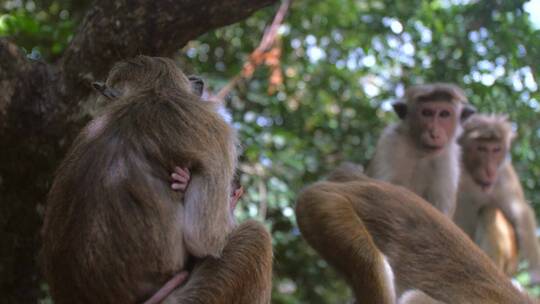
(435, 124)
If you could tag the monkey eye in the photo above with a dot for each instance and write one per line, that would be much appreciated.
(427, 112)
(444, 114)
(481, 149)
(497, 149)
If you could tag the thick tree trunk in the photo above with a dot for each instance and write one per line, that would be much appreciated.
(41, 109)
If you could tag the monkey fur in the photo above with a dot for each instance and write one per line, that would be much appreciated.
(114, 231)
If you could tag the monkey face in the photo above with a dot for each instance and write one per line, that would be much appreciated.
(483, 158)
(434, 124)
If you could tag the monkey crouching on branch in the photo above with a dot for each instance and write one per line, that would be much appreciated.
(114, 230)
(384, 238)
(488, 180)
(420, 152)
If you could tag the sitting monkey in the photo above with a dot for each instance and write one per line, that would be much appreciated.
(115, 232)
(420, 152)
(488, 179)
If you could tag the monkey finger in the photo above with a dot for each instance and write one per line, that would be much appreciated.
(188, 172)
(182, 171)
(237, 193)
(179, 178)
(178, 186)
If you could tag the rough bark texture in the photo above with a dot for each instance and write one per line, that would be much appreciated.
(41, 106)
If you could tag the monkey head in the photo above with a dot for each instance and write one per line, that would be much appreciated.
(432, 113)
(485, 141)
(134, 75)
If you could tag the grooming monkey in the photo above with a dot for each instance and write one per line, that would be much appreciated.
(387, 241)
(420, 152)
(488, 179)
(114, 230)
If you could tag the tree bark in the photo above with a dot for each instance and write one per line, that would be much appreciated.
(42, 109)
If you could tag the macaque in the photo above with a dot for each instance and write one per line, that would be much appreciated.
(489, 179)
(391, 245)
(114, 230)
(420, 152)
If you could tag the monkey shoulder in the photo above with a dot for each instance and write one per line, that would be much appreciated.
(385, 160)
(508, 187)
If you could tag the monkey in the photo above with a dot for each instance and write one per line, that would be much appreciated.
(115, 232)
(420, 152)
(489, 179)
(358, 224)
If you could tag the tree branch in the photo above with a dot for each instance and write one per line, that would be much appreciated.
(118, 29)
(12, 65)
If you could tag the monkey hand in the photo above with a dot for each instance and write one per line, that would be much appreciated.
(235, 196)
(181, 177)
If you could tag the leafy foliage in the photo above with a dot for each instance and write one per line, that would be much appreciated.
(343, 62)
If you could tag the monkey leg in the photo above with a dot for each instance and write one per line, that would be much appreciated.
(330, 225)
(352, 224)
(416, 297)
(242, 275)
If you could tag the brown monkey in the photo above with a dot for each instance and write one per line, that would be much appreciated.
(420, 152)
(114, 230)
(356, 224)
(489, 179)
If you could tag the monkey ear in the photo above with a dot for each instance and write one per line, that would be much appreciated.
(197, 85)
(400, 108)
(105, 90)
(467, 111)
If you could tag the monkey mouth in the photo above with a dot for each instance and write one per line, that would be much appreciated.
(433, 148)
(485, 185)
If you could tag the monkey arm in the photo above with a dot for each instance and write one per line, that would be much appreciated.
(495, 235)
(392, 161)
(329, 224)
(243, 274)
(443, 181)
(511, 200)
(207, 218)
(521, 215)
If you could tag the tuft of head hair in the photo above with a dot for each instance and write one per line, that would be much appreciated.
(489, 127)
(438, 91)
(147, 74)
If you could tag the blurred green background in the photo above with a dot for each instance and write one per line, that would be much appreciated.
(326, 96)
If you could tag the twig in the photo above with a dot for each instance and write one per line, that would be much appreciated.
(256, 57)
